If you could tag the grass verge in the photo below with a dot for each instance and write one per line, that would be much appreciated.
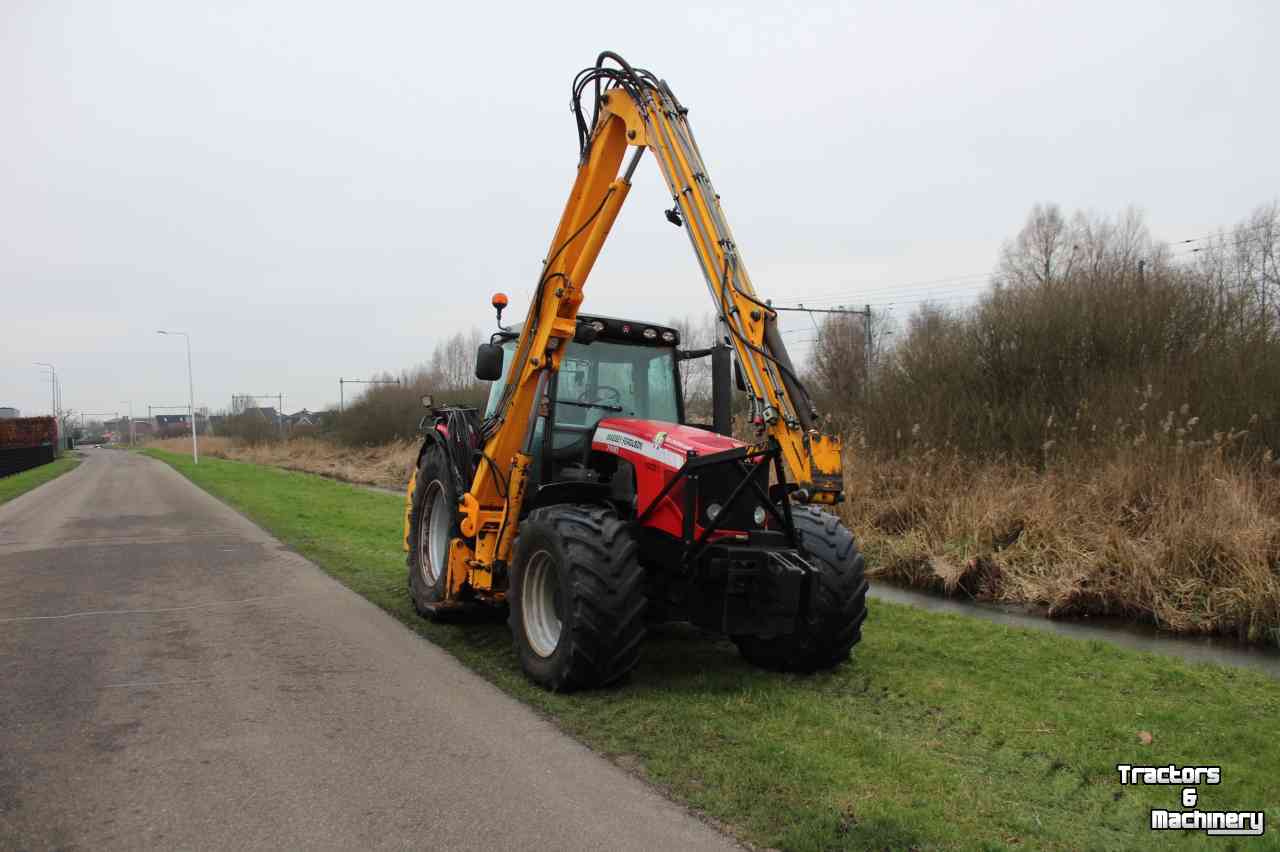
(20, 483)
(944, 732)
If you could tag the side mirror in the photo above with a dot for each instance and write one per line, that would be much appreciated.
(739, 382)
(428, 401)
(489, 362)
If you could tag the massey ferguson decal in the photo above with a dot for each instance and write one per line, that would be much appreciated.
(615, 441)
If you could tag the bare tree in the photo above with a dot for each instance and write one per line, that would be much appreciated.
(1042, 252)
(696, 332)
(844, 357)
(453, 360)
(1089, 325)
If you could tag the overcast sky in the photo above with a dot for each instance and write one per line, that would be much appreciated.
(316, 190)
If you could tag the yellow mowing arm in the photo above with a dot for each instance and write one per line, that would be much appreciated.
(637, 111)
(492, 506)
(780, 404)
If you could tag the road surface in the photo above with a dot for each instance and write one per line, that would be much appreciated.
(171, 676)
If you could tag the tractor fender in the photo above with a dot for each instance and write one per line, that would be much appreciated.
(435, 437)
(438, 436)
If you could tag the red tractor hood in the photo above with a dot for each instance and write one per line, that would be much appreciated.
(669, 444)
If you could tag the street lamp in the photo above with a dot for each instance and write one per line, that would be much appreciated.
(53, 391)
(55, 402)
(191, 406)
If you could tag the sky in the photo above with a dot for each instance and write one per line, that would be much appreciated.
(320, 190)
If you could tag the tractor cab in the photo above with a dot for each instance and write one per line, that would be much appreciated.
(630, 370)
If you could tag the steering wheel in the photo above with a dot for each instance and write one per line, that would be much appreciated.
(605, 395)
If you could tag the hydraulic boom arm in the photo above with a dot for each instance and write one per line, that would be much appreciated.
(633, 110)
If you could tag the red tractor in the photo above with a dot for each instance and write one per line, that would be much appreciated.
(582, 498)
(635, 516)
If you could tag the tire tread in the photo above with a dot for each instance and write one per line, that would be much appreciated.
(839, 605)
(604, 622)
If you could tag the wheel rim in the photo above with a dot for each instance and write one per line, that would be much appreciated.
(433, 541)
(540, 604)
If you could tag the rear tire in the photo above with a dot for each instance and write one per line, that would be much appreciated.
(576, 598)
(837, 608)
(433, 522)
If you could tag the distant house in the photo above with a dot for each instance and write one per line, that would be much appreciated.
(302, 422)
(172, 425)
(9, 413)
(266, 413)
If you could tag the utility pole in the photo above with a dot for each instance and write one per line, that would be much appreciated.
(867, 348)
(342, 402)
(866, 354)
(191, 398)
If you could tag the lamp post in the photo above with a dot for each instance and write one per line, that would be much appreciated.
(191, 398)
(54, 402)
(53, 391)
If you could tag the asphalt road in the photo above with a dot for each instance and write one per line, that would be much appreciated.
(173, 677)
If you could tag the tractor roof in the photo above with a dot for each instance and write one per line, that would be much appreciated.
(617, 330)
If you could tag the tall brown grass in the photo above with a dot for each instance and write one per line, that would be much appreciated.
(1187, 540)
(387, 466)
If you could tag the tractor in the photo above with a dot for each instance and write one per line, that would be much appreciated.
(583, 499)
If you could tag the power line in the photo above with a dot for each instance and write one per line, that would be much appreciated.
(881, 287)
(967, 280)
(866, 315)
(1234, 232)
(888, 295)
(890, 303)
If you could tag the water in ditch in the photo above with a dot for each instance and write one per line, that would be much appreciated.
(1195, 649)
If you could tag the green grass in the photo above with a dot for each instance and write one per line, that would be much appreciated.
(20, 483)
(943, 732)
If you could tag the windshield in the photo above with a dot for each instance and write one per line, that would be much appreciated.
(607, 380)
(615, 380)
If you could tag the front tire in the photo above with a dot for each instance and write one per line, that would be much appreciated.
(576, 598)
(433, 522)
(837, 608)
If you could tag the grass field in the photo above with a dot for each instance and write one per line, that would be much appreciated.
(944, 732)
(21, 483)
